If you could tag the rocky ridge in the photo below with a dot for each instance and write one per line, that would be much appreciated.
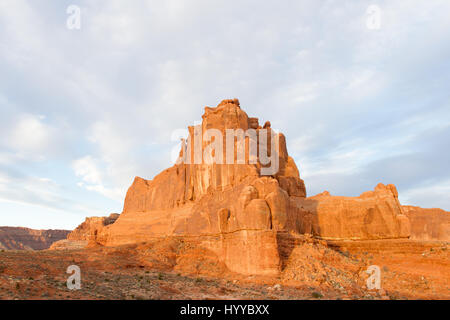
(246, 218)
(18, 238)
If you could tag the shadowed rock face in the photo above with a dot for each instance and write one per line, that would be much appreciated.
(88, 230)
(232, 206)
(428, 224)
(245, 217)
(85, 234)
(373, 215)
(188, 183)
(17, 238)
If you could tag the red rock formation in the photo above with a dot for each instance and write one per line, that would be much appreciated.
(85, 234)
(232, 205)
(17, 238)
(373, 215)
(87, 231)
(428, 224)
(69, 245)
(236, 210)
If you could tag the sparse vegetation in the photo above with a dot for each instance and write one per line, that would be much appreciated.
(325, 273)
(198, 280)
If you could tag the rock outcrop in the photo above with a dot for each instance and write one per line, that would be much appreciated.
(373, 215)
(17, 238)
(428, 224)
(232, 204)
(238, 209)
(236, 192)
(88, 230)
(86, 233)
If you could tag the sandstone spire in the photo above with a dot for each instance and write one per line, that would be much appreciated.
(238, 210)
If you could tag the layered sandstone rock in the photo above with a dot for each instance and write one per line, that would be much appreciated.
(240, 210)
(187, 183)
(69, 245)
(17, 238)
(88, 230)
(86, 233)
(373, 215)
(233, 201)
(428, 224)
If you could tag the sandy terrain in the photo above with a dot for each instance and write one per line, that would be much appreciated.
(172, 269)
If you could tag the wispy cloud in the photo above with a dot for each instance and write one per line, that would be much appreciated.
(89, 109)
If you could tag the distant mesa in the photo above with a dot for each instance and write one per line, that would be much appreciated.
(17, 238)
(245, 217)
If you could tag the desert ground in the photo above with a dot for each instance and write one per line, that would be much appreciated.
(175, 269)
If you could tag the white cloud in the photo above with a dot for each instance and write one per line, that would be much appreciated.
(112, 93)
(21, 32)
(432, 195)
(31, 135)
(114, 194)
(88, 170)
(39, 192)
(94, 177)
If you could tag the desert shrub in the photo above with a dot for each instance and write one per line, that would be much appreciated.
(198, 280)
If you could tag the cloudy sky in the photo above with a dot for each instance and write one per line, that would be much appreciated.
(84, 111)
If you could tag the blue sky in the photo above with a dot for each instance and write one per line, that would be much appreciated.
(84, 111)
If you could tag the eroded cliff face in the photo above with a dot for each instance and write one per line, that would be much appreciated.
(233, 207)
(373, 215)
(85, 234)
(246, 216)
(428, 224)
(16, 238)
(237, 211)
(88, 230)
(189, 181)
